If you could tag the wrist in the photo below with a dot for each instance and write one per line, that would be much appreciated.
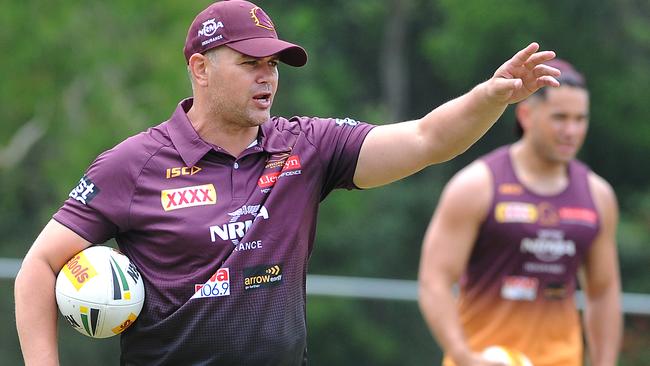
(460, 354)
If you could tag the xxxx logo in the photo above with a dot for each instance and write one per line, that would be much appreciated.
(173, 199)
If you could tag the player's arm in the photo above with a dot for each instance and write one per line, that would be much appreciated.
(36, 310)
(394, 151)
(447, 245)
(601, 281)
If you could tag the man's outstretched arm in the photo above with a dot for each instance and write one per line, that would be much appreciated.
(394, 151)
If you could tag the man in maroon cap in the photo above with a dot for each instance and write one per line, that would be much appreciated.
(515, 228)
(217, 206)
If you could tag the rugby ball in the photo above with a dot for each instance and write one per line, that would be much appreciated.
(506, 356)
(99, 292)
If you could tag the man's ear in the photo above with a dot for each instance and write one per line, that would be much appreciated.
(522, 112)
(198, 65)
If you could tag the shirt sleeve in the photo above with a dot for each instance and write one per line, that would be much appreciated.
(98, 207)
(338, 142)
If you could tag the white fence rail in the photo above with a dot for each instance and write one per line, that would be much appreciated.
(375, 288)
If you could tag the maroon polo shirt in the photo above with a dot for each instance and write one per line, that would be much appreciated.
(222, 243)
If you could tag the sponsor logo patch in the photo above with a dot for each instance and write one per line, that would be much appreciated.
(578, 215)
(235, 229)
(346, 122)
(536, 267)
(512, 189)
(290, 166)
(262, 276)
(268, 180)
(515, 212)
(519, 288)
(548, 246)
(174, 199)
(78, 270)
(209, 28)
(276, 160)
(180, 171)
(85, 191)
(555, 291)
(125, 324)
(218, 285)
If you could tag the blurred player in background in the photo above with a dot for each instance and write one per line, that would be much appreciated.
(515, 228)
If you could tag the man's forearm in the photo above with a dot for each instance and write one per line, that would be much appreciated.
(454, 126)
(36, 313)
(439, 310)
(603, 323)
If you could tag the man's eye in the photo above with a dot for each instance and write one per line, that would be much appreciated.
(273, 63)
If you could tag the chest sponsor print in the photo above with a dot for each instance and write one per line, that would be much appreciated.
(516, 212)
(548, 246)
(236, 228)
(218, 285)
(556, 291)
(174, 199)
(290, 166)
(543, 213)
(578, 215)
(262, 276)
(519, 288)
(181, 171)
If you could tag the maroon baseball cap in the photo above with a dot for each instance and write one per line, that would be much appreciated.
(242, 26)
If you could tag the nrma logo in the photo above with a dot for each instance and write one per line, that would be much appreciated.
(236, 229)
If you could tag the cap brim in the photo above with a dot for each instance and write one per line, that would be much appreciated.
(289, 53)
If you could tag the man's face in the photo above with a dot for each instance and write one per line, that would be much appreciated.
(558, 124)
(241, 88)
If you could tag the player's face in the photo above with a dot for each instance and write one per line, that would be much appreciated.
(242, 88)
(559, 123)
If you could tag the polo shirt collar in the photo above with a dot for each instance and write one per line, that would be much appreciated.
(192, 147)
(187, 142)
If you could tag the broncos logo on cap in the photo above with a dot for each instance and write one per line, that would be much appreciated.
(261, 19)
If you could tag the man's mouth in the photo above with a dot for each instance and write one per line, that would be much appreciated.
(264, 99)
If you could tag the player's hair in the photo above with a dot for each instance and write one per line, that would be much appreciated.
(570, 77)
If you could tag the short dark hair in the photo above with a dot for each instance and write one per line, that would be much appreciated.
(570, 77)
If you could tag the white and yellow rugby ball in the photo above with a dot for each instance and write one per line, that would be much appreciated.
(505, 355)
(99, 292)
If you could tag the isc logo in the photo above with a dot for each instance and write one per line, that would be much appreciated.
(177, 172)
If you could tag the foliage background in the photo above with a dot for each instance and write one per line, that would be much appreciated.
(79, 76)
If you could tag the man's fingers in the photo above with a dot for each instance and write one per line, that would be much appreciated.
(538, 58)
(542, 70)
(547, 81)
(522, 56)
